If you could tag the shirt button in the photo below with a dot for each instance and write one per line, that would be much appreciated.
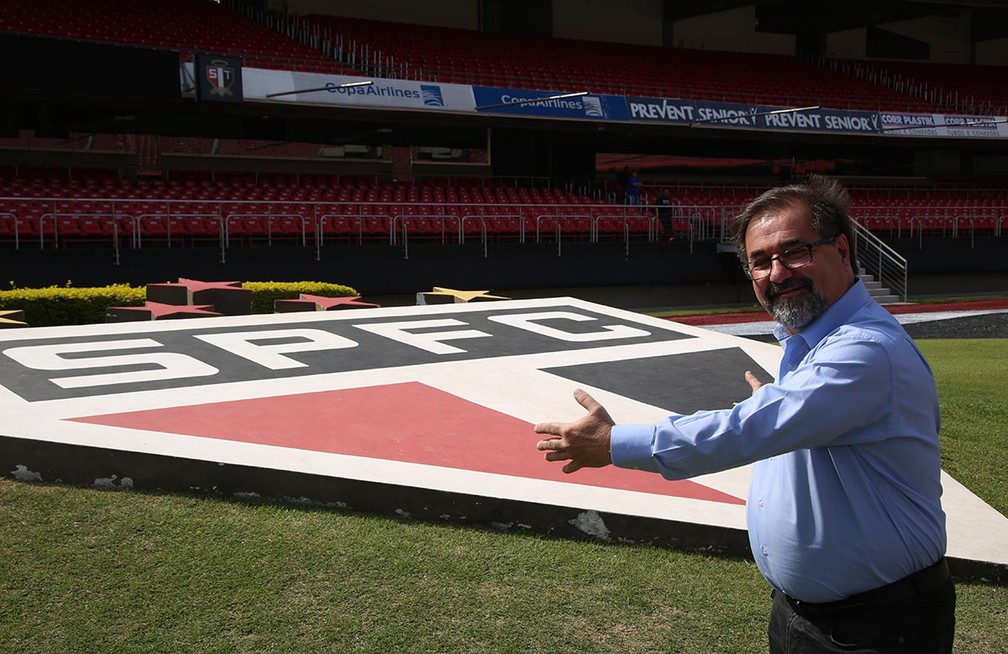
(763, 549)
(761, 504)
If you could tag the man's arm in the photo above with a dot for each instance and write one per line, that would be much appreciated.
(585, 443)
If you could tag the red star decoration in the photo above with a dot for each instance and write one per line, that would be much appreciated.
(329, 303)
(159, 311)
(195, 285)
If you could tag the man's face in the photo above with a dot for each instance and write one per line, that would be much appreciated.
(797, 297)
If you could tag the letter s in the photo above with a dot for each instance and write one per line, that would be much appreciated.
(170, 365)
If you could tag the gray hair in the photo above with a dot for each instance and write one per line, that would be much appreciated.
(826, 199)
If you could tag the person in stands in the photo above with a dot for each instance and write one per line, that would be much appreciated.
(633, 188)
(664, 211)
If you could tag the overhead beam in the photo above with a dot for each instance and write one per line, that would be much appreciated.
(789, 17)
(988, 23)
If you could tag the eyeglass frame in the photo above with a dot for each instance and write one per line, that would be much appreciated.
(808, 247)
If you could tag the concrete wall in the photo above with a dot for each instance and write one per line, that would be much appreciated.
(992, 53)
(733, 31)
(849, 44)
(638, 22)
(381, 269)
(948, 37)
(462, 14)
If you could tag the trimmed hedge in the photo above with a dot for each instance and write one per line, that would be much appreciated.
(64, 305)
(264, 293)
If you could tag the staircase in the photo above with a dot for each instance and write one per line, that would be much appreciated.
(882, 269)
(875, 289)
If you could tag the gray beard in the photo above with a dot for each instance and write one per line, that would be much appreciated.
(797, 312)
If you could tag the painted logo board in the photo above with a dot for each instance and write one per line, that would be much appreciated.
(437, 398)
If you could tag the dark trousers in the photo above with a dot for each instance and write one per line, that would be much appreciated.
(915, 615)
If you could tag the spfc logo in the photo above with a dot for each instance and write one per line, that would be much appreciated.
(221, 77)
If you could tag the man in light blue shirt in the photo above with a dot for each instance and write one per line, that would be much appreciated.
(844, 512)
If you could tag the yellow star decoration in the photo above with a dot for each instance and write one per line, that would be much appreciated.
(12, 318)
(465, 296)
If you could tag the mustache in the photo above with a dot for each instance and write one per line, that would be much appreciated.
(773, 289)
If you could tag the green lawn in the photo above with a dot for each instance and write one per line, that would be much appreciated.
(87, 570)
(972, 378)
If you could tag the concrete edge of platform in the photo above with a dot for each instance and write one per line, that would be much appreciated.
(79, 465)
(49, 462)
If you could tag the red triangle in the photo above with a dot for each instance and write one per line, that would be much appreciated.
(409, 422)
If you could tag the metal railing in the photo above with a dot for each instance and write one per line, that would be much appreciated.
(269, 219)
(558, 227)
(880, 260)
(14, 228)
(378, 221)
(111, 223)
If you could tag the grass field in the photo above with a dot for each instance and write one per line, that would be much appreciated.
(87, 570)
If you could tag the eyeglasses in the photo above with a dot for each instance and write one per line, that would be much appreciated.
(790, 259)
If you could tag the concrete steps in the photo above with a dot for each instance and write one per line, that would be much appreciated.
(875, 289)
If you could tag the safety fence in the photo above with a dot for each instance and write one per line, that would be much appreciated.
(227, 224)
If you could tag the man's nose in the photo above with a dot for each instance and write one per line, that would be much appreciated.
(778, 271)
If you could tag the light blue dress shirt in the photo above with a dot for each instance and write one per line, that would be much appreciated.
(845, 494)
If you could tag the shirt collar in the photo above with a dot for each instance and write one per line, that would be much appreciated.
(837, 314)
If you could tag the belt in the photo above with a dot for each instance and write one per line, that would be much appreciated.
(906, 589)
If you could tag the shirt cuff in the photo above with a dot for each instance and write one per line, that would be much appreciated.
(631, 447)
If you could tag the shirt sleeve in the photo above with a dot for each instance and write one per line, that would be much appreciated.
(843, 384)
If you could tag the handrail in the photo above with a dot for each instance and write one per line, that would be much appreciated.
(169, 216)
(559, 227)
(56, 215)
(626, 218)
(139, 229)
(404, 226)
(519, 216)
(440, 218)
(483, 231)
(879, 259)
(269, 226)
(236, 217)
(858, 208)
(14, 221)
(652, 222)
(951, 224)
(703, 220)
(320, 232)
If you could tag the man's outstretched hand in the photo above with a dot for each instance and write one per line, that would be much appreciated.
(754, 382)
(583, 443)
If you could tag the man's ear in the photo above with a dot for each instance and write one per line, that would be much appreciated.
(844, 248)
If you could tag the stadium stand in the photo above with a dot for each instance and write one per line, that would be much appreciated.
(358, 178)
(187, 26)
(470, 57)
(967, 89)
(61, 207)
(348, 45)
